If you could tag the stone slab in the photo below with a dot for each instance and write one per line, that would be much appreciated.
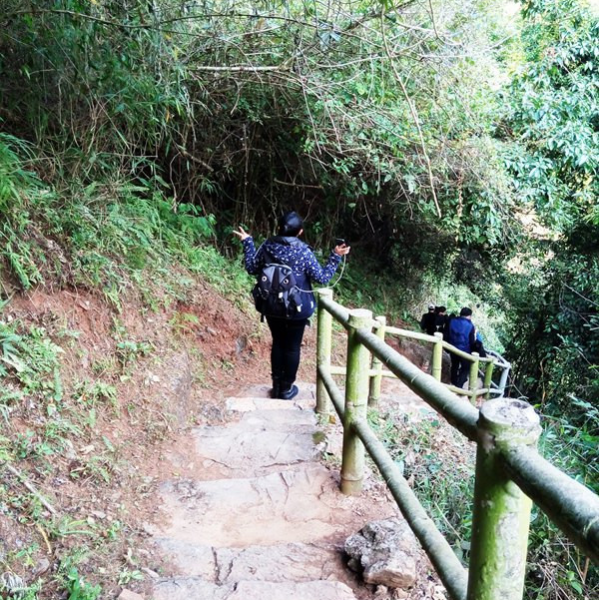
(312, 590)
(190, 558)
(262, 439)
(190, 588)
(302, 505)
(257, 403)
(279, 418)
(196, 589)
(278, 563)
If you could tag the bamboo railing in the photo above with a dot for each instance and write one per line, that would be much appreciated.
(509, 473)
(480, 367)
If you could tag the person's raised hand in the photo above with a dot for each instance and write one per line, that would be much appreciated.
(241, 233)
(342, 250)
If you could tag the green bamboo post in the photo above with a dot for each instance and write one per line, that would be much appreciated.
(503, 379)
(323, 352)
(437, 367)
(356, 399)
(501, 510)
(377, 365)
(488, 379)
(473, 378)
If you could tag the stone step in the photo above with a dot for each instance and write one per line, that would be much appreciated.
(190, 588)
(261, 440)
(247, 404)
(257, 398)
(276, 418)
(302, 505)
(284, 562)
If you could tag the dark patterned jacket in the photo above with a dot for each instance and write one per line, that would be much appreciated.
(300, 257)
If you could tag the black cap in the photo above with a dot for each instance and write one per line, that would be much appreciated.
(290, 224)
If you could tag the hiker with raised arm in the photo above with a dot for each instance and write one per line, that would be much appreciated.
(286, 268)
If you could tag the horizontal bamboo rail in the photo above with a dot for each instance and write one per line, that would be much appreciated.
(509, 473)
(452, 573)
(333, 391)
(337, 370)
(423, 337)
(571, 506)
(489, 388)
(462, 416)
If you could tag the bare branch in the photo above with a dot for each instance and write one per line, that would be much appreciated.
(414, 114)
(240, 68)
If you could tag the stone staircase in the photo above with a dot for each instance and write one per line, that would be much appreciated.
(263, 518)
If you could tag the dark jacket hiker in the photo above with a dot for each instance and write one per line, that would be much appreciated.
(297, 256)
(428, 320)
(286, 268)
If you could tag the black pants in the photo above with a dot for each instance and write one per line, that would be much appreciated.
(460, 370)
(287, 337)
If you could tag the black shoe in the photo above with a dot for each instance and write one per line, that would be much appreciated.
(289, 394)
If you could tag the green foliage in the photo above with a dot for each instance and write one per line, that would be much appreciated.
(551, 283)
(422, 446)
(96, 392)
(554, 111)
(94, 235)
(31, 361)
(75, 586)
(18, 187)
(80, 590)
(553, 290)
(558, 570)
(127, 351)
(14, 586)
(252, 107)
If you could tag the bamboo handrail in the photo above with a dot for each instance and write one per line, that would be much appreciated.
(462, 416)
(338, 370)
(510, 474)
(489, 387)
(423, 337)
(569, 504)
(453, 575)
(573, 508)
(342, 315)
(334, 393)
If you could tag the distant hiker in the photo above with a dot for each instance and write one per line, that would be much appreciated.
(478, 345)
(288, 309)
(441, 319)
(427, 323)
(448, 320)
(461, 334)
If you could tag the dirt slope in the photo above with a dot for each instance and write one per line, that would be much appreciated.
(133, 383)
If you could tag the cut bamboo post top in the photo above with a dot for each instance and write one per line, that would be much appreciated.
(360, 317)
(510, 422)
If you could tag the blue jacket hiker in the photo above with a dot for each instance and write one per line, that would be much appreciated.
(461, 332)
(293, 261)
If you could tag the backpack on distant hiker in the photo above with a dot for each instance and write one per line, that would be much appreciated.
(448, 321)
(276, 293)
(478, 346)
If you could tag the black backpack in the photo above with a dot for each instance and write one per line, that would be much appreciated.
(276, 293)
